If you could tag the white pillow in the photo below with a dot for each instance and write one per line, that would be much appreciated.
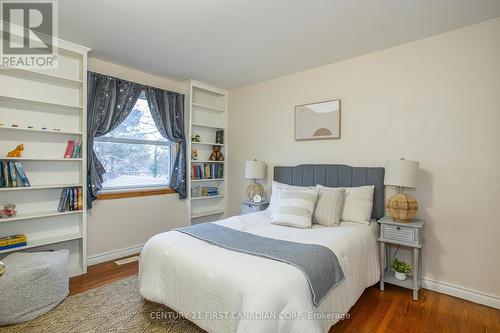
(276, 190)
(358, 204)
(295, 208)
(329, 206)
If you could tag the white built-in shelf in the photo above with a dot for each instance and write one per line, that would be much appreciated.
(50, 131)
(40, 103)
(207, 213)
(206, 161)
(38, 187)
(45, 241)
(208, 197)
(207, 106)
(207, 143)
(54, 99)
(31, 74)
(207, 180)
(41, 159)
(210, 108)
(30, 216)
(207, 126)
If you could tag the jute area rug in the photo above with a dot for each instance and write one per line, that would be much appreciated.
(115, 307)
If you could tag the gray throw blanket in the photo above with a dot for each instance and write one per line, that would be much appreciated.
(318, 263)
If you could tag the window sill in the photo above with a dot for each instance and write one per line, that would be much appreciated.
(134, 193)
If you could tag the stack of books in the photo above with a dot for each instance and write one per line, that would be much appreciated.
(207, 171)
(73, 149)
(13, 241)
(209, 191)
(12, 174)
(71, 199)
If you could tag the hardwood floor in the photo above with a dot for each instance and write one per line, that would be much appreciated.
(392, 310)
(101, 274)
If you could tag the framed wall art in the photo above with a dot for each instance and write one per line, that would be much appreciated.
(317, 121)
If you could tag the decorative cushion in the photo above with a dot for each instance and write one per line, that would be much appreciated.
(358, 204)
(329, 206)
(295, 208)
(276, 191)
(33, 284)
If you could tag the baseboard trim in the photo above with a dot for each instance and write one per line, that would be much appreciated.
(112, 255)
(463, 293)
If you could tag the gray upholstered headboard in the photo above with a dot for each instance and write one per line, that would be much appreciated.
(336, 175)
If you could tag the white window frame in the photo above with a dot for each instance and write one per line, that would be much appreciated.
(121, 189)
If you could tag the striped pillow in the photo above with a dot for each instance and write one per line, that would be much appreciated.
(329, 206)
(295, 208)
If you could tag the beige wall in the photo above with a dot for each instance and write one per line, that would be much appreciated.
(119, 224)
(437, 101)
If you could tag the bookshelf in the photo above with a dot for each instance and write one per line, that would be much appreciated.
(207, 110)
(47, 109)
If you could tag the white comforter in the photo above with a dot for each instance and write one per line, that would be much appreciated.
(226, 291)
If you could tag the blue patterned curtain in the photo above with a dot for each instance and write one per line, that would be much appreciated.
(167, 110)
(109, 102)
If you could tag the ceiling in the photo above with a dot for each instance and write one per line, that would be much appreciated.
(240, 42)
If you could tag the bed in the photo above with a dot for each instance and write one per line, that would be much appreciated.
(226, 291)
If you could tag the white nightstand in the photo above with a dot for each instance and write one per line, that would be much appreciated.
(407, 235)
(248, 207)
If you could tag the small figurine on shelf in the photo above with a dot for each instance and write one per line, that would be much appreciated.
(194, 154)
(8, 210)
(196, 138)
(216, 154)
(219, 137)
(16, 152)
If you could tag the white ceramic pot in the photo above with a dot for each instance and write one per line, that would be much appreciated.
(400, 276)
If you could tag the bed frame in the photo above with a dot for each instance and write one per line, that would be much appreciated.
(336, 175)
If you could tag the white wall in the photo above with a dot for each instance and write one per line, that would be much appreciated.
(435, 100)
(119, 224)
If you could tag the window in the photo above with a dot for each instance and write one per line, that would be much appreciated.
(135, 154)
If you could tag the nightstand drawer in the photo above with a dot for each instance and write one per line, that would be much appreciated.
(249, 207)
(400, 233)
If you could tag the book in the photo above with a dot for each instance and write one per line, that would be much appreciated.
(62, 200)
(2, 182)
(6, 174)
(75, 198)
(76, 150)
(12, 173)
(70, 199)
(13, 240)
(13, 246)
(22, 174)
(80, 198)
(69, 149)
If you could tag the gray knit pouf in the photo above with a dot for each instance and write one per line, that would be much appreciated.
(32, 285)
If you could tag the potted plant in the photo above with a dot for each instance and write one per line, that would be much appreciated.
(400, 268)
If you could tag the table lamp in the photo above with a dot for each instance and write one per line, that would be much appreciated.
(255, 170)
(401, 174)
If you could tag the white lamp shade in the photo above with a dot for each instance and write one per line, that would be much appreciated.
(255, 170)
(403, 173)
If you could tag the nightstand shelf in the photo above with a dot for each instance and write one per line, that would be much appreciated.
(402, 234)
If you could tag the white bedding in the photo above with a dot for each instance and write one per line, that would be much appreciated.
(226, 291)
